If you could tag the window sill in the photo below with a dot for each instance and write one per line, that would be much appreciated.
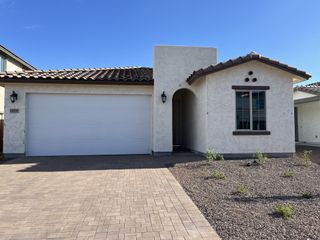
(252, 133)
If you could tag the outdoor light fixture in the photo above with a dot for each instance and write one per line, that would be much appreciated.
(13, 96)
(164, 97)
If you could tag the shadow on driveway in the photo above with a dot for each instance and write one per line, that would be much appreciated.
(87, 163)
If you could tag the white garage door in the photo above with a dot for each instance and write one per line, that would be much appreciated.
(59, 124)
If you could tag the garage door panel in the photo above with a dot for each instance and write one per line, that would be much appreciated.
(60, 124)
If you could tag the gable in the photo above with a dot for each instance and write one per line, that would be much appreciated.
(14, 62)
(300, 75)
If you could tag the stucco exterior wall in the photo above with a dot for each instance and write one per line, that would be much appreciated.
(171, 67)
(10, 66)
(222, 110)
(14, 129)
(13, 66)
(309, 122)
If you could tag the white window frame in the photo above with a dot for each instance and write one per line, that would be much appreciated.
(250, 106)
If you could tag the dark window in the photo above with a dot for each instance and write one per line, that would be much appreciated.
(259, 110)
(243, 110)
(251, 110)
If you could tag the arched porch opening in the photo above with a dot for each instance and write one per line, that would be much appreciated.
(183, 104)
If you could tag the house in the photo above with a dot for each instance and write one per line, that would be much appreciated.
(187, 99)
(10, 62)
(307, 113)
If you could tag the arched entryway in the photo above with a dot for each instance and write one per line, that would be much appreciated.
(183, 104)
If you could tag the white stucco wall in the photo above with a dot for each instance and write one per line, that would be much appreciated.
(10, 66)
(309, 122)
(222, 110)
(171, 67)
(14, 129)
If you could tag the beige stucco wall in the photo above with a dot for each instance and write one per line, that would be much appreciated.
(10, 66)
(14, 129)
(279, 110)
(309, 122)
(171, 67)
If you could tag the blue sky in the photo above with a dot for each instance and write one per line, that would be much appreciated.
(54, 34)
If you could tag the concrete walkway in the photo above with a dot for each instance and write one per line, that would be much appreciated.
(93, 198)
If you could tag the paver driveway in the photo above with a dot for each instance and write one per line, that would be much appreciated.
(96, 198)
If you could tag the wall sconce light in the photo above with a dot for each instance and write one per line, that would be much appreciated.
(13, 97)
(164, 97)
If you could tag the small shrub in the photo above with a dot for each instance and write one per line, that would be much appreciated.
(242, 190)
(288, 174)
(284, 210)
(218, 174)
(307, 195)
(306, 155)
(211, 155)
(220, 157)
(261, 158)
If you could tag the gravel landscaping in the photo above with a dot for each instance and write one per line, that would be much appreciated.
(241, 204)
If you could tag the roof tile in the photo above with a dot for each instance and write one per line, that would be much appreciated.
(124, 75)
(313, 88)
(243, 59)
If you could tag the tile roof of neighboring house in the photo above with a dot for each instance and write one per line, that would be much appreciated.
(123, 75)
(313, 88)
(243, 59)
(10, 54)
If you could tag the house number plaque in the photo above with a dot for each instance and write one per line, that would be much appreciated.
(14, 110)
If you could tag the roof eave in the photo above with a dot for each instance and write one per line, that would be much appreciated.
(16, 58)
(201, 72)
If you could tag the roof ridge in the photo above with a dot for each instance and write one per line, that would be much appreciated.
(87, 69)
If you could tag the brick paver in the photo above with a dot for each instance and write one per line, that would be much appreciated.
(97, 201)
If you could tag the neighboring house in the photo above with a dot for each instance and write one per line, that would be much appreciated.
(237, 107)
(10, 62)
(307, 113)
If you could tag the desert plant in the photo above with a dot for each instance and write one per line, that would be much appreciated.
(211, 155)
(306, 157)
(218, 174)
(307, 195)
(242, 190)
(220, 157)
(288, 174)
(261, 158)
(285, 210)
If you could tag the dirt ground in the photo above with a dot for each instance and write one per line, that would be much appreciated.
(315, 156)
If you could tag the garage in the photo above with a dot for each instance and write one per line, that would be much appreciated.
(83, 124)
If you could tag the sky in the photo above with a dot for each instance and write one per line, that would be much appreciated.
(56, 34)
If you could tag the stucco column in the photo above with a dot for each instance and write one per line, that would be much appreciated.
(171, 67)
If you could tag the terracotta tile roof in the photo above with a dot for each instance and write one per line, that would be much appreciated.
(123, 75)
(313, 88)
(243, 59)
